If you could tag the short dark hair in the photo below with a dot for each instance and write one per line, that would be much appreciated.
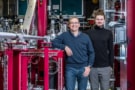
(99, 12)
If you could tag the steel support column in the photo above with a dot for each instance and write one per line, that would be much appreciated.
(131, 45)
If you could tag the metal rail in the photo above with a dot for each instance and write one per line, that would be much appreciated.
(20, 36)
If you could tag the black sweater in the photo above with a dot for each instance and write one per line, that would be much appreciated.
(102, 40)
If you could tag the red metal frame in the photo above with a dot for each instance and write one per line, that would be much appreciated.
(42, 19)
(24, 71)
(14, 66)
(131, 44)
(46, 69)
(19, 69)
(59, 54)
(9, 53)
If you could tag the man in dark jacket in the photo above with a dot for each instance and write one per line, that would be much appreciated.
(79, 55)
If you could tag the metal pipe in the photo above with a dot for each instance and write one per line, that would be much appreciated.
(13, 36)
(33, 37)
(7, 35)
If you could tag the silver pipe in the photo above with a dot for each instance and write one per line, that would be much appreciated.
(32, 37)
(60, 7)
(13, 36)
(17, 7)
(7, 35)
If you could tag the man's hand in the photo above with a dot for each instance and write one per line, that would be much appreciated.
(87, 71)
(68, 51)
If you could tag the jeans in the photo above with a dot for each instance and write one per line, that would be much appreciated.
(72, 75)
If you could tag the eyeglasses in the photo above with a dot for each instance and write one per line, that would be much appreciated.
(74, 23)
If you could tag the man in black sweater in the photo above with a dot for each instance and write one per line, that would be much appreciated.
(102, 40)
(79, 55)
